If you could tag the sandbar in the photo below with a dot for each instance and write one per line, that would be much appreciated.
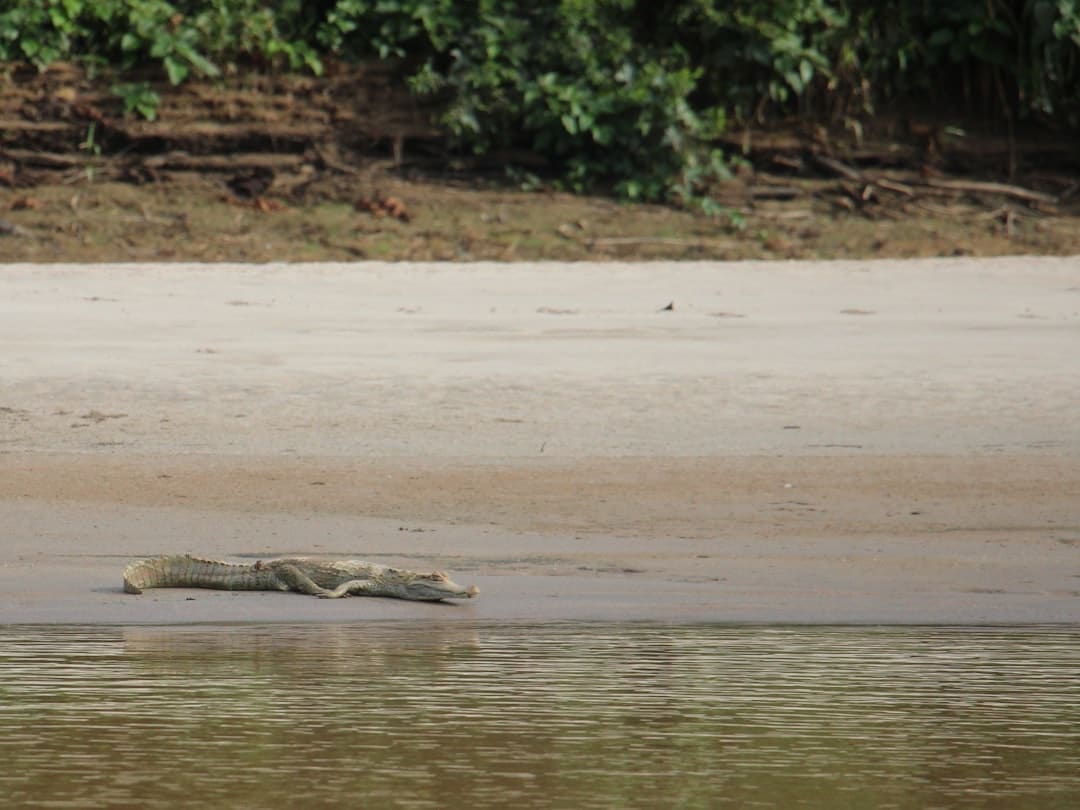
(885, 442)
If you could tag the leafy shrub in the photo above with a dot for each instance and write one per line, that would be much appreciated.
(197, 37)
(568, 80)
(620, 94)
(1009, 59)
(138, 97)
(754, 54)
(572, 83)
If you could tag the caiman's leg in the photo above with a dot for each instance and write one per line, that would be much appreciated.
(298, 581)
(353, 586)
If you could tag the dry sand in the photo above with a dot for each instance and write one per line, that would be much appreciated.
(791, 442)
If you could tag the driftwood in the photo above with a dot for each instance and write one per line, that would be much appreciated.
(183, 161)
(243, 130)
(838, 168)
(12, 126)
(48, 159)
(892, 185)
(982, 187)
(861, 183)
(957, 185)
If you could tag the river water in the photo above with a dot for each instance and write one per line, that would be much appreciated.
(551, 715)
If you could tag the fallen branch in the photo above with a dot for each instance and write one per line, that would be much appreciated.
(10, 126)
(788, 162)
(223, 163)
(982, 187)
(329, 156)
(892, 185)
(838, 168)
(52, 160)
(212, 130)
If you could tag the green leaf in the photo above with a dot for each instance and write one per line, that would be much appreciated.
(176, 70)
(603, 135)
(197, 60)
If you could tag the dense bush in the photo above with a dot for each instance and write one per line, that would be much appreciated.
(180, 37)
(624, 94)
(996, 58)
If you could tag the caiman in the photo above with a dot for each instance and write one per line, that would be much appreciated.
(327, 580)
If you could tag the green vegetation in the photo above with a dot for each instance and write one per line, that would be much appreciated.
(624, 95)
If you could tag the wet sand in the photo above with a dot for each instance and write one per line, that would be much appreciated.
(885, 442)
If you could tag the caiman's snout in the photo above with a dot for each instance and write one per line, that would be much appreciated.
(457, 592)
(443, 587)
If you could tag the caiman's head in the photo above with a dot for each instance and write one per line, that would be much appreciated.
(435, 586)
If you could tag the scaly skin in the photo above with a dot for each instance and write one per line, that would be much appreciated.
(327, 580)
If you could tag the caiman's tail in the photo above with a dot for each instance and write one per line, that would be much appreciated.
(185, 571)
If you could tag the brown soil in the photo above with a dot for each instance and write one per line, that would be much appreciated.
(347, 167)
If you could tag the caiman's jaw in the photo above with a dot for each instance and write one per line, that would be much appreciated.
(436, 586)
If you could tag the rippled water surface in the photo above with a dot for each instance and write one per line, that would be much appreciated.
(566, 716)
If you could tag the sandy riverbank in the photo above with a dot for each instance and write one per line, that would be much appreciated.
(866, 441)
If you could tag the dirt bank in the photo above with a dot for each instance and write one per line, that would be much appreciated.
(347, 166)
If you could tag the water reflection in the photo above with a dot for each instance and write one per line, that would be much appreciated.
(540, 716)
